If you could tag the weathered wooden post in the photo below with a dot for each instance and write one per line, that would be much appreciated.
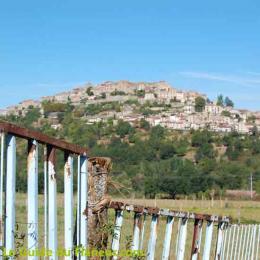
(98, 168)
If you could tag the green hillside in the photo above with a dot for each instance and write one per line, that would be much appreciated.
(153, 161)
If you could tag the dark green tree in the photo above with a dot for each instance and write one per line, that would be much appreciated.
(220, 100)
(144, 124)
(124, 128)
(89, 91)
(200, 104)
(229, 102)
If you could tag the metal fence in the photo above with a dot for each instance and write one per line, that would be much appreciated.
(169, 217)
(9, 134)
(230, 241)
(211, 237)
(241, 242)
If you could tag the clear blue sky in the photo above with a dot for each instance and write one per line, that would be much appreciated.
(209, 46)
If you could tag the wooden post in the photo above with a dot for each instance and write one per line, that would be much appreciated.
(98, 168)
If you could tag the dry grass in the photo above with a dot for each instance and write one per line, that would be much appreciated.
(246, 211)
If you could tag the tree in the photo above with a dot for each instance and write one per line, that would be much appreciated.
(226, 113)
(32, 116)
(229, 102)
(256, 147)
(254, 130)
(167, 151)
(205, 151)
(200, 104)
(124, 128)
(157, 132)
(117, 93)
(69, 107)
(220, 100)
(200, 138)
(144, 124)
(103, 95)
(89, 91)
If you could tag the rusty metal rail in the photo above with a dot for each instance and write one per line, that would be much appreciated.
(41, 138)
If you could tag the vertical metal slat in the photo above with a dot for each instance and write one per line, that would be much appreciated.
(208, 240)
(68, 204)
(244, 241)
(32, 196)
(167, 238)
(117, 233)
(78, 203)
(83, 203)
(226, 231)
(220, 240)
(10, 192)
(248, 242)
(182, 239)
(238, 236)
(195, 248)
(152, 238)
(241, 239)
(249, 250)
(137, 231)
(2, 157)
(45, 173)
(142, 233)
(52, 203)
(177, 238)
(228, 241)
(258, 243)
(253, 245)
(233, 241)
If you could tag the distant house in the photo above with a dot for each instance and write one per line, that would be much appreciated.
(213, 109)
(149, 96)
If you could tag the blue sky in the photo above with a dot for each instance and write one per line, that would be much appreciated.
(210, 46)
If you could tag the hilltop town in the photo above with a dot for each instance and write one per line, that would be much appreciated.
(156, 102)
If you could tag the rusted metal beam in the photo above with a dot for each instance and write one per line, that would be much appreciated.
(41, 138)
(118, 205)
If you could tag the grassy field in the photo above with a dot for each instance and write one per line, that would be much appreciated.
(245, 211)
